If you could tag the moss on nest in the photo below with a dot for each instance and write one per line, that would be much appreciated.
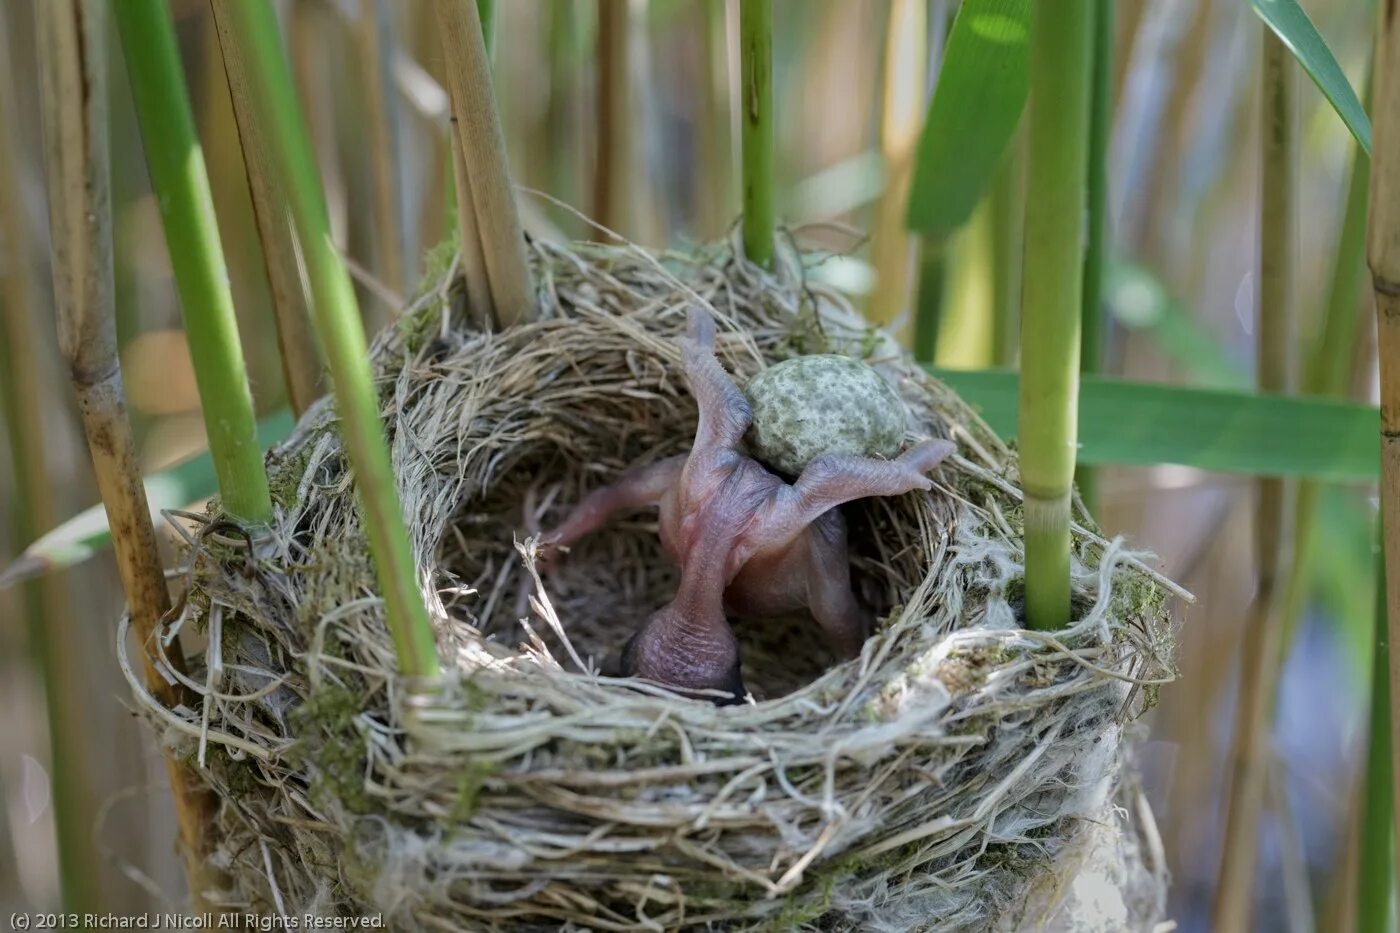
(524, 791)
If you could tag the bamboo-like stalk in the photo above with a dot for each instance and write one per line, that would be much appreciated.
(50, 630)
(478, 129)
(1097, 247)
(1060, 60)
(932, 277)
(756, 122)
(966, 327)
(196, 255)
(715, 206)
(296, 341)
(342, 335)
(73, 74)
(892, 247)
(1008, 236)
(1261, 641)
(1374, 873)
(561, 122)
(375, 32)
(1383, 257)
(613, 163)
(461, 216)
(1328, 370)
(929, 298)
(479, 301)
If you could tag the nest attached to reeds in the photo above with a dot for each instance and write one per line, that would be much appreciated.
(961, 774)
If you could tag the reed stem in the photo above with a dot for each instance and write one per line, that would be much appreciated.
(714, 190)
(186, 205)
(492, 198)
(613, 165)
(1261, 643)
(1097, 247)
(337, 318)
(1383, 257)
(51, 631)
(1328, 370)
(1375, 874)
(893, 248)
(381, 99)
(1008, 240)
(1060, 66)
(302, 369)
(73, 95)
(756, 135)
(930, 295)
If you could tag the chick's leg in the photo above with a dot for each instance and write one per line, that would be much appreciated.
(830, 598)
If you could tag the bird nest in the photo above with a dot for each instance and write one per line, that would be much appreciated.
(958, 775)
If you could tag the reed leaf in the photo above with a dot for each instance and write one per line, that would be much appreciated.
(982, 89)
(1290, 23)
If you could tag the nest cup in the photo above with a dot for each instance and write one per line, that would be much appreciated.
(963, 773)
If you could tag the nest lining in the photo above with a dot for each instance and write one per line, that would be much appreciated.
(928, 784)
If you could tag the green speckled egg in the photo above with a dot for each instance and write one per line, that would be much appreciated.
(811, 405)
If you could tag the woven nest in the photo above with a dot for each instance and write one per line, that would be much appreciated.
(959, 775)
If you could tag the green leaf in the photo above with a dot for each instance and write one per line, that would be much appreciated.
(86, 534)
(981, 92)
(1291, 24)
(1137, 424)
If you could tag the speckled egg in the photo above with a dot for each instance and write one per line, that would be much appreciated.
(811, 405)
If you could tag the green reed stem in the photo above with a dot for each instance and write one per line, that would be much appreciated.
(1374, 875)
(1096, 252)
(342, 336)
(1060, 58)
(178, 176)
(1328, 368)
(756, 62)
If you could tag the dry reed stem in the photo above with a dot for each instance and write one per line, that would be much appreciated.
(932, 777)
(296, 341)
(612, 163)
(1383, 256)
(72, 38)
(479, 301)
(893, 248)
(374, 29)
(1261, 647)
(478, 130)
(52, 627)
